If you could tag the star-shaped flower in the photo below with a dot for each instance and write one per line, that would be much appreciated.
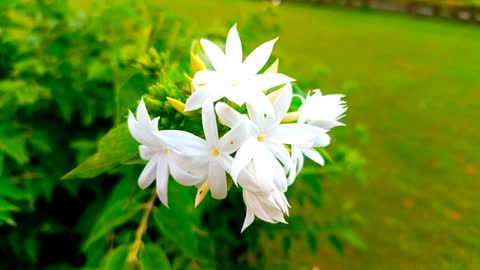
(233, 78)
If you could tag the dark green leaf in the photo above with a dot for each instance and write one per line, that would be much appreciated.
(153, 257)
(130, 93)
(6, 206)
(115, 259)
(335, 242)
(10, 190)
(116, 147)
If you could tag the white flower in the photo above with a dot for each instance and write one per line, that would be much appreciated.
(156, 148)
(268, 206)
(236, 80)
(264, 143)
(322, 111)
(210, 159)
(309, 151)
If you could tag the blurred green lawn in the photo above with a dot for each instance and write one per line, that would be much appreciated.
(420, 85)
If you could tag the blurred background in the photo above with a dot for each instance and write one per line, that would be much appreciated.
(401, 187)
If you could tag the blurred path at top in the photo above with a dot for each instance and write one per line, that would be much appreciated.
(420, 86)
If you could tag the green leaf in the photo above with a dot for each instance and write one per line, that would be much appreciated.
(153, 257)
(352, 239)
(335, 242)
(6, 206)
(5, 217)
(176, 222)
(116, 147)
(115, 259)
(114, 215)
(130, 93)
(15, 147)
(11, 191)
(2, 157)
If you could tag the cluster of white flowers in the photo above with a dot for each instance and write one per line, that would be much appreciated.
(264, 149)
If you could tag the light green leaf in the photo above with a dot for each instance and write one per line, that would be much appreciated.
(115, 259)
(15, 148)
(153, 257)
(6, 206)
(116, 147)
(2, 157)
(352, 239)
(11, 191)
(5, 217)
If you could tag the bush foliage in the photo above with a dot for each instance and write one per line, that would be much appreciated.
(67, 77)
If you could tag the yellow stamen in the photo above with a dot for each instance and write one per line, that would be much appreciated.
(261, 137)
(215, 152)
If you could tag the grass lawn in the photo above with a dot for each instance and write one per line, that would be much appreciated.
(420, 85)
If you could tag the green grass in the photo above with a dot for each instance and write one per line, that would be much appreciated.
(420, 85)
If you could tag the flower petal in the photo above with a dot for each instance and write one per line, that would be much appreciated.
(281, 153)
(184, 177)
(243, 156)
(162, 180)
(148, 174)
(209, 123)
(263, 82)
(204, 77)
(282, 104)
(259, 57)
(260, 102)
(198, 98)
(313, 155)
(249, 217)
(214, 54)
(233, 48)
(232, 140)
(294, 133)
(217, 181)
(184, 142)
(228, 116)
(147, 153)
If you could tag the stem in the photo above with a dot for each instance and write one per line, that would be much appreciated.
(142, 228)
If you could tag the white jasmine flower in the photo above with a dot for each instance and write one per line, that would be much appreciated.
(264, 143)
(156, 148)
(322, 111)
(236, 80)
(210, 159)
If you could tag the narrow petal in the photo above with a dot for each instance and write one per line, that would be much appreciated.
(204, 77)
(214, 54)
(278, 172)
(209, 123)
(249, 217)
(252, 202)
(185, 177)
(162, 180)
(263, 82)
(142, 133)
(148, 174)
(232, 140)
(294, 133)
(313, 155)
(217, 181)
(261, 103)
(243, 156)
(147, 153)
(264, 165)
(233, 47)
(281, 153)
(282, 104)
(259, 57)
(198, 98)
(142, 114)
(182, 141)
(327, 124)
(228, 116)
(321, 140)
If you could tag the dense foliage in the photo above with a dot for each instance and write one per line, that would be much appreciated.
(66, 78)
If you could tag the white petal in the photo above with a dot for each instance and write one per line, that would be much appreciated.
(260, 102)
(217, 181)
(282, 104)
(199, 97)
(278, 174)
(294, 133)
(162, 180)
(184, 177)
(249, 217)
(313, 155)
(204, 77)
(233, 47)
(263, 82)
(281, 153)
(232, 140)
(147, 153)
(142, 114)
(326, 124)
(144, 134)
(183, 141)
(252, 202)
(214, 54)
(209, 123)
(148, 174)
(228, 116)
(243, 156)
(259, 57)
(264, 166)
(321, 140)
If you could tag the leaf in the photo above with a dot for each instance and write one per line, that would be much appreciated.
(352, 239)
(130, 93)
(176, 222)
(5, 217)
(116, 147)
(15, 147)
(2, 157)
(114, 215)
(154, 257)
(115, 259)
(6, 206)
(312, 241)
(335, 242)
(11, 191)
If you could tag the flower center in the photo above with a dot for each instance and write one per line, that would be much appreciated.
(235, 83)
(215, 152)
(261, 137)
